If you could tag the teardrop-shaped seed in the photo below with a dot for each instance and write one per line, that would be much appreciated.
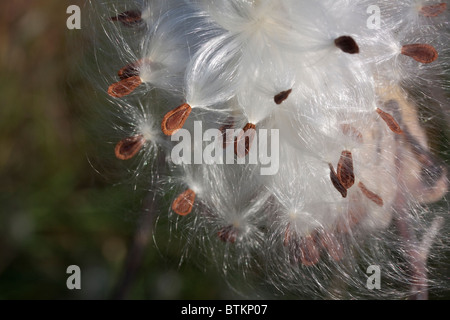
(347, 44)
(423, 53)
(124, 87)
(130, 70)
(175, 119)
(280, 97)
(370, 195)
(129, 147)
(345, 169)
(183, 204)
(390, 121)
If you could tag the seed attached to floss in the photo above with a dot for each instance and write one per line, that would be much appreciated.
(227, 234)
(423, 53)
(433, 10)
(129, 147)
(174, 120)
(347, 44)
(369, 194)
(337, 182)
(131, 70)
(183, 204)
(243, 141)
(345, 169)
(124, 87)
(128, 18)
(390, 121)
(283, 95)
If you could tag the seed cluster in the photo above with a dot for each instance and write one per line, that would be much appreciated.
(351, 150)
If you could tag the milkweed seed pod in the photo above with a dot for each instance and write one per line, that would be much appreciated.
(303, 136)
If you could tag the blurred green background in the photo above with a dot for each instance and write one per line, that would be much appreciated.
(55, 209)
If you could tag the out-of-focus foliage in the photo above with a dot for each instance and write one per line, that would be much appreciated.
(56, 210)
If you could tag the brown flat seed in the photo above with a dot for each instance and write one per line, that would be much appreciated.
(309, 252)
(345, 170)
(243, 141)
(336, 182)
(332, 245)
(351, 131)
(433, 10)
(128, 147)
(175, 119)
(423, 53)
(347, 44)
(128, 18)
(369, 194)
(390, 121)
(130, 70)
(283, 95)
(124, 87)
(183, 204)
(227, 234)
